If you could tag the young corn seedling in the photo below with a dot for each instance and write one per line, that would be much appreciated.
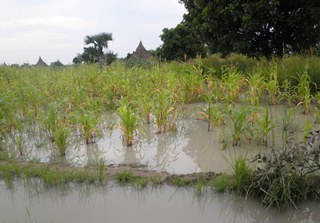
(288, 93)
(211, 113)
(256, 85)
(232, 83)
(50, 121)
(264, 127)
(239, 123)
(128, 122)
(272, 87)
(165, 111)
(61, 139)
(89, 124)
(303, 92)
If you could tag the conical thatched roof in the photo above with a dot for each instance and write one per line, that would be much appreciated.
(141, 52)
(41, 63)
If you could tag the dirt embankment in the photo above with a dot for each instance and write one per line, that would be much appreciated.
(110, 172)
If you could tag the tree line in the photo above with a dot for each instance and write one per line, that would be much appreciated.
(252, 27)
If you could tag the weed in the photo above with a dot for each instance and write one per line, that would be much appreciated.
(221, 183)
(124, 177)
(179, 181)
(243, 175)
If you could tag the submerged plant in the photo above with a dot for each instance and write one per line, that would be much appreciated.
(128, 122)
(165, 111)
(50, 120)
(238, 119)
(243, 175)
(213, 114)
(89, 124)
(264, 127)
(61, 139)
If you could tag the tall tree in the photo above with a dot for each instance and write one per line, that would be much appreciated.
(99, 42)
(255, 27)
(181, 43)
(94, 51)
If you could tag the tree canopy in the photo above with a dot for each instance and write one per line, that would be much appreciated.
(180, 43)
(254, 28)
(94, 51)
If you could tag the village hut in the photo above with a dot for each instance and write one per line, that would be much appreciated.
(41, 63)
(141, 52)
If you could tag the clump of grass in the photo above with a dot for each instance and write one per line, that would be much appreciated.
(101, 170)
(124, 177)
(156, 181)
(4, 155)
(221, 183)
(243, 175)
(179, 181)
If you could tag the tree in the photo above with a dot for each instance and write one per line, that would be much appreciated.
(180, 42)
(94, 51)
(259, 27)
(57, 63)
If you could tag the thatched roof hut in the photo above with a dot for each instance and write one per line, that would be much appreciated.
(141, 52)
(41, 63)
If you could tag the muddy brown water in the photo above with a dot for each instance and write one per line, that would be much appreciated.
(32, 203)
(191, 149)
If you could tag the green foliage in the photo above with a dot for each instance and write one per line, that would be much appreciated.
(93, 53)
(124, 177)
(89, 123)
(265, 125)
(222, 183)
(180, 43)
(243, 175)
(60, 137)
(255, 28)
(304, 92)
(239, 123)
(128, 122)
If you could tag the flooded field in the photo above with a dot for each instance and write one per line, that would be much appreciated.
(190, 149)
(30, 202)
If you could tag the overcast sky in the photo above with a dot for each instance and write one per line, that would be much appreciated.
(55, 29)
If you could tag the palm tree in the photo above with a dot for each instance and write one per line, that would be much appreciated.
(100, 42)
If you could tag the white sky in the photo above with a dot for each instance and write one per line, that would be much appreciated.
(55, 29)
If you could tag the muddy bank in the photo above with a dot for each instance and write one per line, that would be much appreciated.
(108, 172)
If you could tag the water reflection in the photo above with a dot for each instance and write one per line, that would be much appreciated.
(83, 203)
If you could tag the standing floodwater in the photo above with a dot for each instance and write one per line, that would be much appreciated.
(32, 202)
